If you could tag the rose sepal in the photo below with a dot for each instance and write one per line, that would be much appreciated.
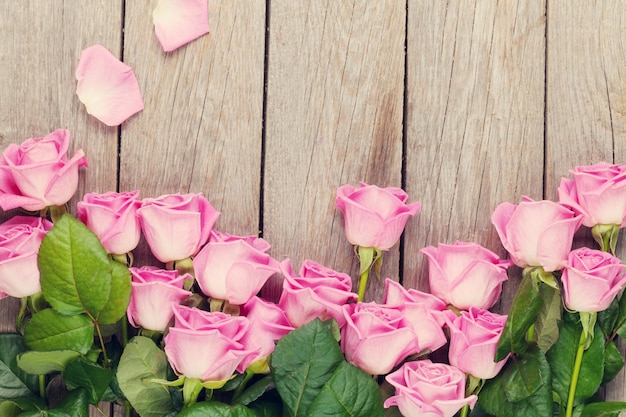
(606, 235)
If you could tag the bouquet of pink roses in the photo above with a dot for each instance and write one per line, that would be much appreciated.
(191, 336)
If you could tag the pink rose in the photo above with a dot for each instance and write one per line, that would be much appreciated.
(153, 291)
(233, 268)
(376, 338)
(268, 323)
(113, 218)
(422, 310)
(176, 226)
(591, 279)
(20, 239)
(317, 292)
(465, 274)
(474, 337)
(536, 233)
(207, 345)
(373, 216)
(427, 389)
(38, 174)
(598, 192)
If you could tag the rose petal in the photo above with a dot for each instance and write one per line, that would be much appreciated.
(106, 86)
(177, 22)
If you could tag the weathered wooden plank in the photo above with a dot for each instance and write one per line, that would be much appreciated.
(41, 44)
(586, 101)
(334, 116)
(201, 127)
(475, 105)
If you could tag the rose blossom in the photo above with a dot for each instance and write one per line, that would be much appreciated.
(176, 226)
(474, 337)
(207, 345)
(268, 323)
(598, 192)
(591, 279)
(153, 291)
(38, 174)
(536, 233)
(20, 239)
(317, 292)
(113, 218)
(376, 338)
(373, 216)
(428, 389)
(422, 310)
(233, 268)
(465, 274)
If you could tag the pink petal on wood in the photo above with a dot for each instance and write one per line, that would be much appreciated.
(106, 86)
(177, 22)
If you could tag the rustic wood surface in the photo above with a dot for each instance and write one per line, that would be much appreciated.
(286, 100)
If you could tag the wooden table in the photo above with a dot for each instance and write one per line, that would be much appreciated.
(464, 104)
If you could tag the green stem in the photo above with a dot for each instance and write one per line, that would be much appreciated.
(363, 284)
(575, 373)
(101, 339)
(42, 387)
(465, 410)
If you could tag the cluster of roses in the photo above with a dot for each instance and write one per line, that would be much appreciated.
(242, 328)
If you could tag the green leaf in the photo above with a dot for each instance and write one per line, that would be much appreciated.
(603, 409)
(547, 325)
(12, 408)
(255, 390)
(302, 362)
(75, 403)
(88, 375)
(620, 325)
(609, 317)
(350, 392)
(523, 314)
(14, 382)
(41, 363)
(561, 358)
(533, 393)
(613, 362)
(215, 409)
(119, 296)
(75, 269)
(266, 408)
(49, 330)
(142, 359)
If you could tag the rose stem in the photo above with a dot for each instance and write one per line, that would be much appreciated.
(465, 410)
(575, 372)
(363, 284)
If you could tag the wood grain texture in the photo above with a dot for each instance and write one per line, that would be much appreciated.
(334, 116)
(475, 111)
(586, 102)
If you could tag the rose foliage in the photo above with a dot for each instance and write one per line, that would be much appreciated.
(190, 335)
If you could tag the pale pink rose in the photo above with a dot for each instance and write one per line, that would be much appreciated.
(20, 239)
(591, 279)
(176, 226)
(316, 292)
(376, 338)
(177, 22)
(536, 233)
(233, 268)
(268, 323)
(38, 174)
(207, 345)
(427, 389)
(113, 218)
(598, 192)
(474, 337)
(465, 274)
(422, 310)
(373, 216)
(153, 291)
(106, 86)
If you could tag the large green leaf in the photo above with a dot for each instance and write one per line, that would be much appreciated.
(41, 363)
(75, 269)
(14, 382)
(142, 359)
(49, 330)
(216, 409)
(14, 407)
(604, 409)
(119, 296)
(255, 390)
(561, 358)
(302, 362)
(547, 325)
(613, 362)
(524, 311)
(88, 375)
(350, 392)
(75, 403)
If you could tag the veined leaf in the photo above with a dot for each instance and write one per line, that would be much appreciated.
(49, 330)
(14, 382)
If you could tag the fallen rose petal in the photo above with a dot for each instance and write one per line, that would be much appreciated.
(177, 22)
(106, 86)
